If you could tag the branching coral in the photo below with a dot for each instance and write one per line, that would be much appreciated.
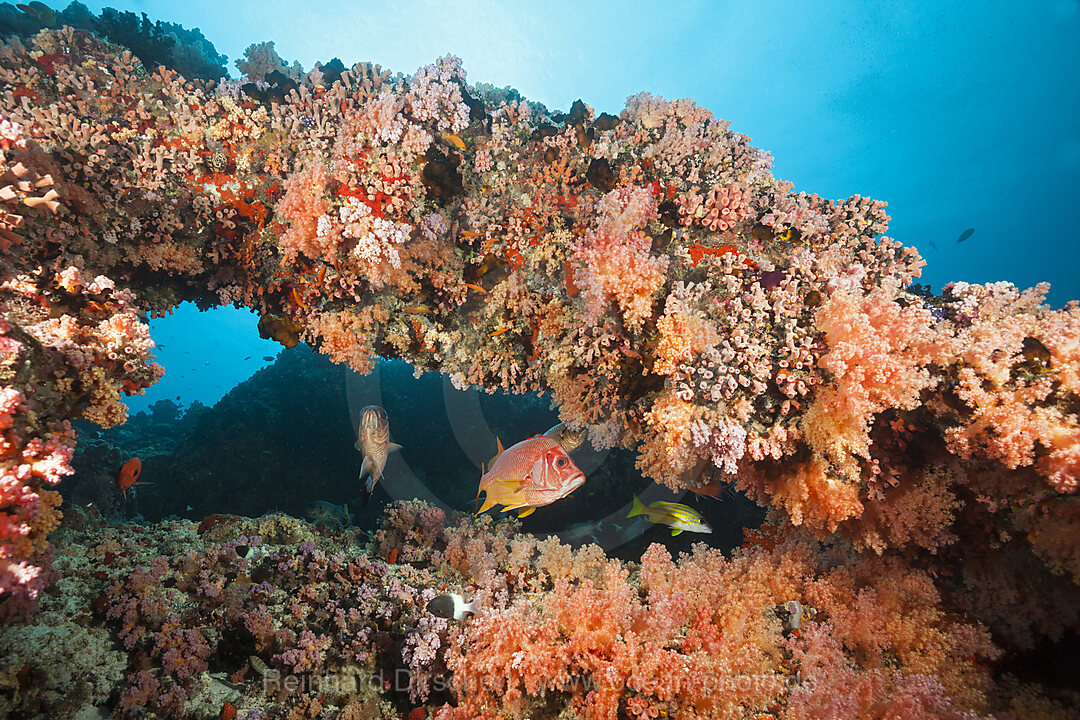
(647, 269)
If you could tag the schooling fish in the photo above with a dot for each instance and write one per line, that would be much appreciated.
(373, 440)
(533, 473)
(129, 475)
(451, 606)
(677, 516)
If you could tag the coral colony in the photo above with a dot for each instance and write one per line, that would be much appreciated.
(918, 453)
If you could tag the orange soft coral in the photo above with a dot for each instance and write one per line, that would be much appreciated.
(302, 207)
(877, 359)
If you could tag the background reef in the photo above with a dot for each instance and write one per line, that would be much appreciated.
(283, 439)
(918, 452)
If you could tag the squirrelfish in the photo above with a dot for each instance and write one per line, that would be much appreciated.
(677, 516)
(373, 440)
(129, 475)
(451, 606)
(533, 473)
(715, 489)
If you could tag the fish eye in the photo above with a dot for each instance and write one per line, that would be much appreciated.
(560, 462)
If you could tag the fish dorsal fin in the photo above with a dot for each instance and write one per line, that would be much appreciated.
(498, 443)
(391, 447)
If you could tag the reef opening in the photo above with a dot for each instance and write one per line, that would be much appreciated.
(919, 454)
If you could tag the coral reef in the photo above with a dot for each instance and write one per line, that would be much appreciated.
(180, 619)
(647, 270)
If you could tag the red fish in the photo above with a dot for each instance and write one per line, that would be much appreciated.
(531, 474)
(129, 474)
(715, 489)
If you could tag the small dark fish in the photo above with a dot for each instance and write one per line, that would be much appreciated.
(933, 245)
(965, 235)
(328, 514)
(1036, 353)
(268, 358)
(248, 357)
(451, 606)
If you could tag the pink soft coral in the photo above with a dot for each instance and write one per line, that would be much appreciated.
(617, 263)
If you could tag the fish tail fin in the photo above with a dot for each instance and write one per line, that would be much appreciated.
(637, 509)
(369, 483)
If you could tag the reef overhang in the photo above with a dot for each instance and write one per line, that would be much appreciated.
(646, 269)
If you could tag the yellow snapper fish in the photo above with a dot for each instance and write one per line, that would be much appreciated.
(533, 473)
(677, 516)
(373, 440)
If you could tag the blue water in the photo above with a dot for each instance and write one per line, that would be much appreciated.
(204, 355)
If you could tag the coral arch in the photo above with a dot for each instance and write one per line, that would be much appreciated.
(647, 270)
